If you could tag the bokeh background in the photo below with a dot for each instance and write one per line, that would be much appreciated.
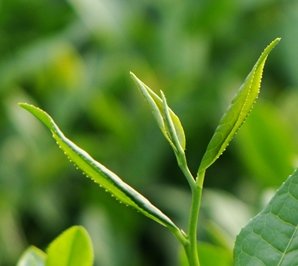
(73, 58)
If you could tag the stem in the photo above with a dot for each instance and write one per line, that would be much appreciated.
(181, 159)
(192, 251)
(191, 246)
(200, 179)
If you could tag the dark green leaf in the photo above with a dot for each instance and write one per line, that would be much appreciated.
(271, 238)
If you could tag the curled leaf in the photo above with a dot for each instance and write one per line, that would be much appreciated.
(157, 107)
(170, 126)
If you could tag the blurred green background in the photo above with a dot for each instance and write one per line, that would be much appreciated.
(72, 58)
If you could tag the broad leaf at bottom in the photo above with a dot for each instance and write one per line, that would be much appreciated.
(271, 238)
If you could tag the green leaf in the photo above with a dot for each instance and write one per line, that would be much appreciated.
(101, 175)
(238, 111)
(271, 238)
(72, 248)
(32, 257)
(157, 107)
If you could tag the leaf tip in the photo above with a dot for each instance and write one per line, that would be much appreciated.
(133, 76)
(272, 44)
(275, 41)
(138, 82)
(29, 107)
(23, 105)
(40, 114)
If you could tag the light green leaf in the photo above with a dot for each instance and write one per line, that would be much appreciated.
(156, 105)
(271, 238)
(237, 112)
(72, 248)
(32, 257)
(101, 175)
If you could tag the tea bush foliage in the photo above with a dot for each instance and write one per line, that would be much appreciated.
(72, 58)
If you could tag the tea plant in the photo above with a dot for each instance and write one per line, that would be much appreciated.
(268, 239)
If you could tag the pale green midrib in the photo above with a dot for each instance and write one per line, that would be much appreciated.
(151, 212)
(136, 200)
(288, 245)
(132, 194)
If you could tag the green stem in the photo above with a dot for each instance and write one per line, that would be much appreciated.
(191, 246)
(181, 159)
(200, 179)
(192, 252)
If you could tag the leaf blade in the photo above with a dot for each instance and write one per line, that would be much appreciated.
(271, 237)
(237, 112)
(71, 248)
(101, 175)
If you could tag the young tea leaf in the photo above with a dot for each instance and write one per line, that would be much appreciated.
(32, 257)
(237, 112)
(101, 175)
(156, 105)
(271, 237)
(72, 248)
(170, 126)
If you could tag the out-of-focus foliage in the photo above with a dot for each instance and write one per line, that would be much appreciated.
(73, 59)
(71, 247)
